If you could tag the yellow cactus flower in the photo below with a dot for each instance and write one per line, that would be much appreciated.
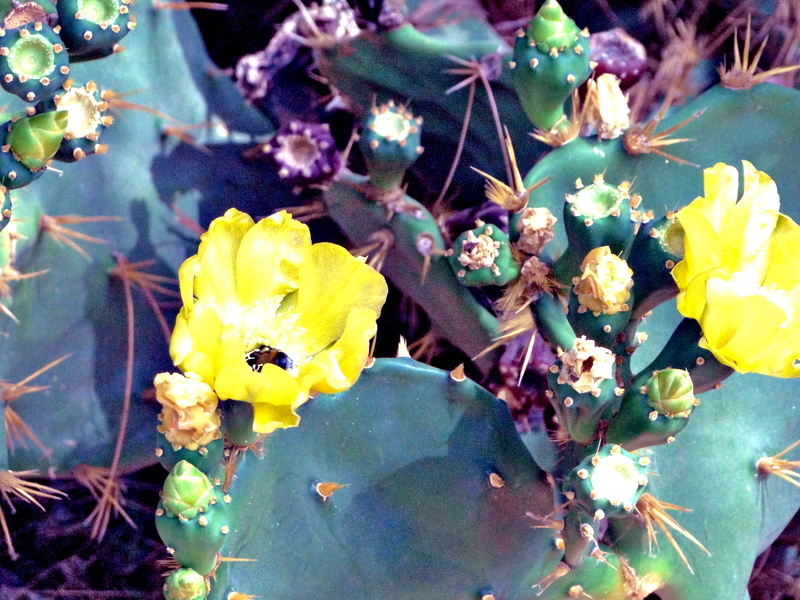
(739, 277)
(269, 318)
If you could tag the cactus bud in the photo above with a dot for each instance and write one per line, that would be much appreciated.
(390, 143)
(185, 584)
(187, 491)
(653, 413)
(34, 140)
(671, 393)
(189, 416)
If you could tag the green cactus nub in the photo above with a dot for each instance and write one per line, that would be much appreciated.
(34, 140)
(33, 62)
(597, 215)
(185, 584)
(611, 480)
(482, 256)
(93, 28)
(187, 491)
(654, 413)
(550, 61)
(390, 143)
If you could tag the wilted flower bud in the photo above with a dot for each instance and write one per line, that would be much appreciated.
(189, 416)
(605, 282)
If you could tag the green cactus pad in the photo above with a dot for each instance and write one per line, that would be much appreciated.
(432, 510)
(33, 62)
(482, 256)
(93, 28)
(551, 59)
(390, 143)
(185, 584)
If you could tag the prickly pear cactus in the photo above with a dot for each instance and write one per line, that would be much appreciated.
(631, 296)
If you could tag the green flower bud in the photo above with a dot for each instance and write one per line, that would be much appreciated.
(34, 140)
(671, 393)
(187, 491)
(552, 28)
(185, 584)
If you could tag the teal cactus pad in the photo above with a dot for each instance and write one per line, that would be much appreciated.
(33, 62)
(419, 517)
(78, 417)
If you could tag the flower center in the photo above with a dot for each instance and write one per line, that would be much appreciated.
(267, 355)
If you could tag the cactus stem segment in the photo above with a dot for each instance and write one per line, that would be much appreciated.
(742, 75)
(653, 511)
(566, 128)
(642, 139)
(14, 484)
(7, 274)
(775, 465)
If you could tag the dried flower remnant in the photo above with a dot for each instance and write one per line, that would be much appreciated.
(586, 366)
(535, 228)
(479, 252)
(607, 110)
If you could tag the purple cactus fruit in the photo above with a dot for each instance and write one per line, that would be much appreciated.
(618, 53)
(304, 153)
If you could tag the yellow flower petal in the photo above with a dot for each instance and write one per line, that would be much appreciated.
(215, 280)
(267, 264)
(333, 283)
(268, 417)
(337, 368)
